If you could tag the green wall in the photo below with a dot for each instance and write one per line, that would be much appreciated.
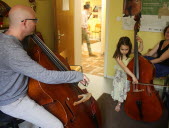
(44, 13)
(115, 31)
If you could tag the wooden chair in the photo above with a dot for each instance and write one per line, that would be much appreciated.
(164, 91)
(76, 68)
(97, 31)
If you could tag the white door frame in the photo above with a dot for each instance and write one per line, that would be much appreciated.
(77, 31)
(106, 28)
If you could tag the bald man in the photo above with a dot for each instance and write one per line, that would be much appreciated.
(16, 67)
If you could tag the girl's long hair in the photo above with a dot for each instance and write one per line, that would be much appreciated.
(122, 41)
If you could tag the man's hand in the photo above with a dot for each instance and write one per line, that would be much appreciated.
(85, 80)
(84, 98)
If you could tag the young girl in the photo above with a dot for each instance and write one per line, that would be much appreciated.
(120, 82)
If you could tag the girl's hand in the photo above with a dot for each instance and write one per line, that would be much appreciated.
(135, 81)
(140, 49)
(139, 39)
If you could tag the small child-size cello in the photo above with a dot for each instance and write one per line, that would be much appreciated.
(143, 102)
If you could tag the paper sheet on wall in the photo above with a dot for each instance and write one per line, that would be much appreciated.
(155, 15)
(65, 5)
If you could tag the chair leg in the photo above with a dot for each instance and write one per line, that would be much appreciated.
(14, 123)
(4, 127)
(165, 89)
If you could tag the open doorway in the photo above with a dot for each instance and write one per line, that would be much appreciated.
(94, 64)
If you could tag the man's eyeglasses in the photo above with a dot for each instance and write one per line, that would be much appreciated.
(35, 20)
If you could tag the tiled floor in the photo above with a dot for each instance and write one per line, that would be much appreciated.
(93, 65)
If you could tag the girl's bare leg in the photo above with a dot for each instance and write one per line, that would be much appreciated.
(117, 108)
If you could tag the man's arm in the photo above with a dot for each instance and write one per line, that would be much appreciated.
(20, 62)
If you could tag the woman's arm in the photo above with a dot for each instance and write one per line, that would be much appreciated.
(163, 57)
(153, 51)
(125, 68)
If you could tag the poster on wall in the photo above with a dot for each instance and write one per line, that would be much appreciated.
(155, 16)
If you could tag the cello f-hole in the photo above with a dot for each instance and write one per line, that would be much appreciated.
(69, 108)
(139, 106)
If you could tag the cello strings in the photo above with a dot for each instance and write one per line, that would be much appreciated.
(50, 54)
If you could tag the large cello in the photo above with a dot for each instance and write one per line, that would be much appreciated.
(59, 99)
(143, 102)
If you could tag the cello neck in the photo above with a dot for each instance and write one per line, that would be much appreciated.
(136, 60)
(49, 53)
(136, 54)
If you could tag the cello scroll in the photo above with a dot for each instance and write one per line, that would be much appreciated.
(132, 7)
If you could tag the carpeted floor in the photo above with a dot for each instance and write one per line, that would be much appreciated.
(113, 119)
